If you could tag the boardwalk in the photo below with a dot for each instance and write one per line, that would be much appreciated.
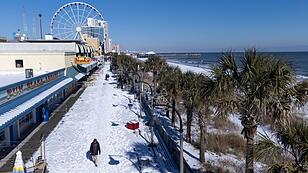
(101, 112)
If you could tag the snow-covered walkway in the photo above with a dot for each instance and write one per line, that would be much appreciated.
(101, 112)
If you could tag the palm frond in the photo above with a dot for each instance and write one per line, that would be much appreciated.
(266, 147)
(300, 92)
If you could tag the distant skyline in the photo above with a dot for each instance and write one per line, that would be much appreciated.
(182, 25)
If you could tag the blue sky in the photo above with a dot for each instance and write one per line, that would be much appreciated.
(184, 25)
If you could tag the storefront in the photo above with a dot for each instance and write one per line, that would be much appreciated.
(22, 112)
(2, 138)
(25, 123)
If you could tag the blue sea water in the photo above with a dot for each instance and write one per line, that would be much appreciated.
(298, 60)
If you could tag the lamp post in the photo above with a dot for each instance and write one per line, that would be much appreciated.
(41, 30)
(140, 89)
(181, 137)
(119, 78)
(151, 122)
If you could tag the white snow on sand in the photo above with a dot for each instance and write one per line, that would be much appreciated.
(101, 112)
(192, 154)
(186, 68)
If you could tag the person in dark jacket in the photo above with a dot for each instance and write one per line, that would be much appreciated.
(95, 150)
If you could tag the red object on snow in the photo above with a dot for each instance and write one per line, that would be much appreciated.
(132, 125)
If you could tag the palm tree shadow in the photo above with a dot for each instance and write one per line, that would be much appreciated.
(143, 157)
(143, 137)
(114, 123)
(113, 83)
(188, 153)
(112, 161)
(134, 112)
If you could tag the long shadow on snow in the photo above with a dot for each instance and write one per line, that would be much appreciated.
(134, 112)
(173, 132)
(113, 83)
(113, 161)
(114, 123)
(143, 157)
(143, 137)
(88, 156)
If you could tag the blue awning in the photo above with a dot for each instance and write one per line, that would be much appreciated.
(79, 76)
(86, 68)
(26, 104)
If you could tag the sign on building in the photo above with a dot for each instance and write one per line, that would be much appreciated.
(82, 60)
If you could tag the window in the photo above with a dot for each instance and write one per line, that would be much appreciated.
(25, 120)
(19, 63)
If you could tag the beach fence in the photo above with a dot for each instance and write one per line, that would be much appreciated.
(171, 145)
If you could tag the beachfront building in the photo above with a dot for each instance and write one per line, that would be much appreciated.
(43, 55)
(146, 55)
(3, 39)
(116, 49)
(107, 41)
(94, 43)
(27, 102)
(35, 78)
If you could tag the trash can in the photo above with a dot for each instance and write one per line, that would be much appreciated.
(132, 125)
(29, 72)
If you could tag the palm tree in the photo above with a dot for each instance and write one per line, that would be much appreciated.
(170, 81)
(204, 107)
(291, 146)
(126, 68)
(155, 65)
(258, 90)
(132, 65)
(124, 62)
(189, 94)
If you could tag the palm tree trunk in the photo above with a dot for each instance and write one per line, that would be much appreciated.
(173, 112)
(250, 134)
(132, 84)
(154, 83)
(189, 121)
(202, 142)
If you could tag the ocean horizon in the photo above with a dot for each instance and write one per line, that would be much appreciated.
(297, 59)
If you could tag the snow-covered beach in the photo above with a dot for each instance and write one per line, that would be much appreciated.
(215, 159)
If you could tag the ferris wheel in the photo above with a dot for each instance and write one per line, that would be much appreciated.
(77, 20)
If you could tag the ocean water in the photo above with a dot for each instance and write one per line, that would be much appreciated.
(298, 60)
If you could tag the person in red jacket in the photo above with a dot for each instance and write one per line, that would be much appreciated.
(95, 150)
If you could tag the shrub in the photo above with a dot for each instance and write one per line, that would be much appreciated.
(226, 143)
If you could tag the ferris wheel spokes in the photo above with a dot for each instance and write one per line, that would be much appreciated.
(85, 20)
(71, 20)
(73, 14)
(78, 14)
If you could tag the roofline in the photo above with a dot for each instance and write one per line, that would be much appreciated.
(52, 41)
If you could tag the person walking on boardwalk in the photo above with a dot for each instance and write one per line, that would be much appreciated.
(95, 150)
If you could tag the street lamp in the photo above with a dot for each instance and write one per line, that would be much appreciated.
(151, 122)
(140, 87)
(119, 78)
